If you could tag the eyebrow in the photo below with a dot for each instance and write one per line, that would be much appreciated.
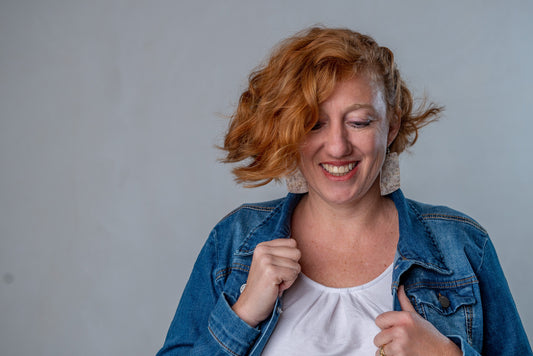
(359, 106)
(354, 107)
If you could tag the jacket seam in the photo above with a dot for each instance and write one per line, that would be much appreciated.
(482, 259)
(434, 216)
(451, 284)
(468, 319)
(220, 342)
(265, 220)
(227, 271)
(250, 207)
(429, 233)
(435, 266)
(215, 238)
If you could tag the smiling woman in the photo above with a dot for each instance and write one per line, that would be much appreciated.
(281, 104)
(343, 154)
(346, 264)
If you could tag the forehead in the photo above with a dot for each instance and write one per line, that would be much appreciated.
(360, 89)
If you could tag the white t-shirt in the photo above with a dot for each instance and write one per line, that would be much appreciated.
(319, 320)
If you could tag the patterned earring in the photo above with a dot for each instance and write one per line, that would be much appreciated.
(390, 173)
(296, 182)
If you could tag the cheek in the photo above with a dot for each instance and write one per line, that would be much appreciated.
(381, 137)
(374, 144)
(304, 154)
(308, 148)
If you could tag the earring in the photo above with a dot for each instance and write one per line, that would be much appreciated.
(390, 173)
(296, 182)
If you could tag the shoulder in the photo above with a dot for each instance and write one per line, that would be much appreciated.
(252, 223)
(235, 237)
(443, 236)
(248, 215)
(258, 209)
(444, 214)
(451, 229)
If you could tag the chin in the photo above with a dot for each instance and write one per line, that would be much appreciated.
(341, 197)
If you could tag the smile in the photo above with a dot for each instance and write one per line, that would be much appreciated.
(338, 171)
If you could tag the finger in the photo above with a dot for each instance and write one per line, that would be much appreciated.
(286, 252)
(405, 303)
(277, 251)
(387, 319)
(289, 242)
(275, 269)
(265, 257)
(288, 277)
(384, 337)
(277, 262)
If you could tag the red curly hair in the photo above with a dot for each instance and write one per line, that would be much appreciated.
(281, 103)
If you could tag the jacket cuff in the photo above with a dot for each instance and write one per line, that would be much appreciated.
(232, 333)
(465, 347)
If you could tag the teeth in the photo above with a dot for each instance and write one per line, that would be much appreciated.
(338, 170)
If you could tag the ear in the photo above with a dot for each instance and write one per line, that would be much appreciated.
(395, 122)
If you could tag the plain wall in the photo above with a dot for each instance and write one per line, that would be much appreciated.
(110, 111)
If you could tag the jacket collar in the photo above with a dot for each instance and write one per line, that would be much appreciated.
(275, 225)
(417, 244)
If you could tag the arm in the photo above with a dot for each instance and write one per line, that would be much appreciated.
(204, 323)
(503, 331)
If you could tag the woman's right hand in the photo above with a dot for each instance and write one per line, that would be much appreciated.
(274, 269)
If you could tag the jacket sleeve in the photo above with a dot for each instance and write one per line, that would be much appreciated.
(503, 333)
(204, 323)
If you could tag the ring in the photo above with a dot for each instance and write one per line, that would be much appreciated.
(381, 352)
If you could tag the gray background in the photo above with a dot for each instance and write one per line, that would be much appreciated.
(110, 110)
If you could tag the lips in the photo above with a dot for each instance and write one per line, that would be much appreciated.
(339, 170)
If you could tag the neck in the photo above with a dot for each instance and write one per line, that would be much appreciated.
(353, 220)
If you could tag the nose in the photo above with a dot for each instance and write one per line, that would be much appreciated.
(338, 145)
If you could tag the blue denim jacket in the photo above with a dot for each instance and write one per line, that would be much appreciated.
(445, 260)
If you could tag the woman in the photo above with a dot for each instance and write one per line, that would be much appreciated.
(344, 264)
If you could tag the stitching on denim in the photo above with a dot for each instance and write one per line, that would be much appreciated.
(451, 284)
(454, 218)
(227, 271)
(259, 208)
(429, 233)
(482, 259)
(220, 342)
(273, 212)
(427, 263)
(251, 207)
(418, 307)
(215, 238)
(468, 317)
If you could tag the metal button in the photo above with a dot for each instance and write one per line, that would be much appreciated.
(444, 301)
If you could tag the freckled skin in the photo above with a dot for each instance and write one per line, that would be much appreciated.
(352, 127)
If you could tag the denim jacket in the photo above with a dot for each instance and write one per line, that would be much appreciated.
(444, 259)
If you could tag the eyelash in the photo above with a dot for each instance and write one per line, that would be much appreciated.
(355, 124)
(360, 124)
(316, 126)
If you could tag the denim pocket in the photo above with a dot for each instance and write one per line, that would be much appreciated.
(445, 301)
(450, 307)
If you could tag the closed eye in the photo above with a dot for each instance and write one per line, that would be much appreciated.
(317, 126)
(360, 124)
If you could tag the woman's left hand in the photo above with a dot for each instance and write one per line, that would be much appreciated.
(407, 333)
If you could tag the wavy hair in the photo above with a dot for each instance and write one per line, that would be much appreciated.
(281, 104)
